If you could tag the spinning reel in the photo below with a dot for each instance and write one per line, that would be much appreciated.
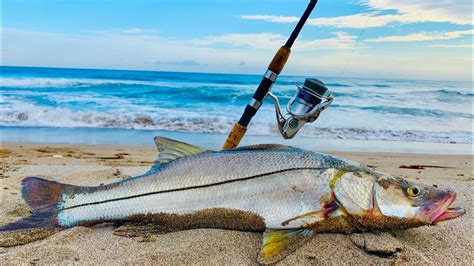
(304, 107)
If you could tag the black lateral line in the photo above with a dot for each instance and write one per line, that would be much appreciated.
(188, 188)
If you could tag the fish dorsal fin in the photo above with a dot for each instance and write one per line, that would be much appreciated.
(277, 244)
(170, 150)
(264, 147)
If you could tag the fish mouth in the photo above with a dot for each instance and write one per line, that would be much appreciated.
(447, 212)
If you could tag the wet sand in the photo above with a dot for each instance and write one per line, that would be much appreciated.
(450, 242)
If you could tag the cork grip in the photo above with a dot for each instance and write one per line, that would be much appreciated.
(279, 60)
(234, 137)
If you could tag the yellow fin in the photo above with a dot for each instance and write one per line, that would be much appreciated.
(277, 244)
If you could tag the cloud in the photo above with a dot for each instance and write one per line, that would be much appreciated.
(455, 12)
(357, 21)
(269, 18)
(428, 64)
(266, 41)
(424, 36)
(257, 41)
(118, 50)
(470, 46)
(408, 11)
(122, 50)
(341, 40)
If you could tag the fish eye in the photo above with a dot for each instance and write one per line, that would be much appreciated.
(413, 191)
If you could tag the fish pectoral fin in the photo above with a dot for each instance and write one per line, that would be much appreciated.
(170, 150)
(277, 244)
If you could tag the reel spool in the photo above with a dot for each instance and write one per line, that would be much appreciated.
(304, 107)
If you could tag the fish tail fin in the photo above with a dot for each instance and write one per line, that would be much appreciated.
(43, 197)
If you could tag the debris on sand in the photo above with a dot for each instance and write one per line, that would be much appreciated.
(422, 166)
(22, 237)
(116, 156)
(4, 153)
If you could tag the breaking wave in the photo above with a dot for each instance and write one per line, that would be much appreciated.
(134, 80)
(185, 121)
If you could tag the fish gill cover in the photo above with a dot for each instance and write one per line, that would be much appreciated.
(367, 109)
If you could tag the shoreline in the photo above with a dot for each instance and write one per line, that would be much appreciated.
(144, 138)
(447, 243)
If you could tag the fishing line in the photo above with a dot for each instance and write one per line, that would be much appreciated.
(357, 43)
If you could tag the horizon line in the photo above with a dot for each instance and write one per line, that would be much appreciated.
(241, 74)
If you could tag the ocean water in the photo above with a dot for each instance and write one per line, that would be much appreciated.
(363, 109)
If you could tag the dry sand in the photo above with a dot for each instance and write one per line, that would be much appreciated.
(447, 243)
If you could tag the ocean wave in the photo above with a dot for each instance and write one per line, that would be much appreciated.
(357, 85)
(185, 121)
(420, 112)
(331, 84)
(444, 92)
(33, 82)
(388, 135)
(181, 84)
(338, 85)
(138, 77)
(60, 82)
(177, 120)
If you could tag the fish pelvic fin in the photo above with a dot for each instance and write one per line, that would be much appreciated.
(43, 197)
(277, 244)
(170, 150)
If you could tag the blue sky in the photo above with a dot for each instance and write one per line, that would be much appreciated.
(400, 39)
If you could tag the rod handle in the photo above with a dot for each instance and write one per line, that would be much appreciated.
(235, 136)
(279, 60)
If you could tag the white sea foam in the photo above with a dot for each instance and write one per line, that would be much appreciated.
(27, 114)
(52, 82)
(20, 113)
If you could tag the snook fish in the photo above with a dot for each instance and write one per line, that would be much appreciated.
(288, 193)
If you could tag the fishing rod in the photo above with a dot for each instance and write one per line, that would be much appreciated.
(304, 107)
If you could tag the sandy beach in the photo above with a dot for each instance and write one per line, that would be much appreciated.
(450, 242)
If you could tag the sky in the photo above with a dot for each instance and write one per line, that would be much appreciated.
(411, 39)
